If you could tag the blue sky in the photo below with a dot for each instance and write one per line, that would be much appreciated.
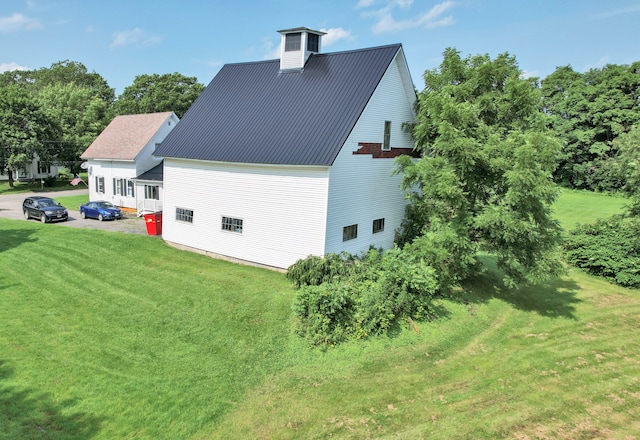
(120, 39)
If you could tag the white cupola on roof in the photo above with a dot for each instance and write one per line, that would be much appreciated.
(297, 46)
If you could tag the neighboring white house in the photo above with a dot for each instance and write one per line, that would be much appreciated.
(278, 160)
(35, 170)
(122, 153)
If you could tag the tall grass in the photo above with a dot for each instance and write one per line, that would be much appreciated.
(106, 335)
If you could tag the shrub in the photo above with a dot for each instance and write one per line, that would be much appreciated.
(366, 296)
(609, 248)
(314, 270)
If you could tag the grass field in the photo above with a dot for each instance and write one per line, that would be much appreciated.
(105, 335)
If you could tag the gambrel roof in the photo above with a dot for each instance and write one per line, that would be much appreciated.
(255, 113)
(126, 136)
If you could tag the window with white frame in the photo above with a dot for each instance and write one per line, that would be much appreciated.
(232, 224)
(184, 215)
(292, 42)
(386, 146)
(152, 192)
(100, 184)
(130, 188)
(378, 225)
(349, 232)
(313, 42)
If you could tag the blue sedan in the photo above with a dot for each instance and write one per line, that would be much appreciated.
(101, 210)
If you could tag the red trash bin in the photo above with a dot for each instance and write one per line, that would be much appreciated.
(154, 223)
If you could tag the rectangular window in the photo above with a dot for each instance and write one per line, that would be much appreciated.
(117, 187)
(232, 224)
(43, 168)
(151, 192)
(184, 215)
(313, 43)
(378, 225)
(387, 136)
(130, 188)
(349, 232)
(100, 184)
(292, 42)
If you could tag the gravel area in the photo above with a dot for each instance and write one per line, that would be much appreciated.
(11, 207)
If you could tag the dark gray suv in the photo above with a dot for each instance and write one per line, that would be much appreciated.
(44, 209)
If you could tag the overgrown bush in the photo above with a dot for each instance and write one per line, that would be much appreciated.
(609, 248)
(342, 297)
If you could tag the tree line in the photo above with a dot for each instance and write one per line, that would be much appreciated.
(57, 112)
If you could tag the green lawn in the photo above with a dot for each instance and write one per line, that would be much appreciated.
(106, 335)
(580, 207)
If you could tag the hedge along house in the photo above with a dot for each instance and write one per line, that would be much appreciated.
(124, 152)
(278, 160)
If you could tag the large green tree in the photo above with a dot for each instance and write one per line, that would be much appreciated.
(77, 99)
(25, 130)
(159, 93)
(588, 112)
(484, 180)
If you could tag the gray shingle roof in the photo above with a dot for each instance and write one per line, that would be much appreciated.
(253, 113)
(125, 136)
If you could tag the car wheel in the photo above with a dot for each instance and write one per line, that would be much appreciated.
(100, 217)
(82, 214)
(26, 214)
(43, 218)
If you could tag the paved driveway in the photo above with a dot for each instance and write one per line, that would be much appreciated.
(11, 207)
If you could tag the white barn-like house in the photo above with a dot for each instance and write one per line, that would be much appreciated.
(278, 160)
(123, 152)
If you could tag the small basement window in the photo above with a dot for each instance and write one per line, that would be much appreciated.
(184, 215)
(232, 224)
(349, 232)
(378, 225)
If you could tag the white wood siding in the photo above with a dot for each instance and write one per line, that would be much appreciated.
(110, 170)
(283, 209)
(361, 188)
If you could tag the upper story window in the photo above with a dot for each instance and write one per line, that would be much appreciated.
(386, 146)
(292, 42)
(313, 42)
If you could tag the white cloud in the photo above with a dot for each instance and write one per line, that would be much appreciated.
(134, 37)
(598, 64)
(526, 74)
(431, 19)
(18, 22)
(365, 4)
(333, 35)
(621, 11)
(7, 67)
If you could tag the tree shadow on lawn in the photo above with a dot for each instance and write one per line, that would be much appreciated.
(10, 238)
(555, 299)
(26, 414)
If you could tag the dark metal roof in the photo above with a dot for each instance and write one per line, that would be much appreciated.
(156, 173)
(254, 113)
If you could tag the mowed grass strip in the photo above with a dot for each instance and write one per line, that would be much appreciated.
(126, 337)
(138, 337)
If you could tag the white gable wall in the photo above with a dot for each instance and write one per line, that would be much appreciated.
(145, 159)
(362, 188)
(283, 209)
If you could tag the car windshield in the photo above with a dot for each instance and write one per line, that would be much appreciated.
(47, 203)
(105, 205)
